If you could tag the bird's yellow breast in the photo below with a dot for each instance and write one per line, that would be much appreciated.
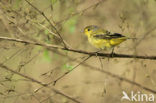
(99, 43)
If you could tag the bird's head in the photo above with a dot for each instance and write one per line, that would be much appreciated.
(90, 29)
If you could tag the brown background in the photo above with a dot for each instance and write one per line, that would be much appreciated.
(133, 18)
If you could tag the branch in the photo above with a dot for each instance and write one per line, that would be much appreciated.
(111, 74)
(38, 82)
(70, 70)
(80, 12)
(42, 13)
(50, 46)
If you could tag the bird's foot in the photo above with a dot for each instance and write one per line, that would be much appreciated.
(96, 52)
(112, 54)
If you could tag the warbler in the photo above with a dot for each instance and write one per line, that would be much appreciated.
(103, 39)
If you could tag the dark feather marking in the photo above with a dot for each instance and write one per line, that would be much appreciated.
(117, 35)
(108, 36)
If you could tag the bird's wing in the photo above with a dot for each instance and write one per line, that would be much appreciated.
(108, 35)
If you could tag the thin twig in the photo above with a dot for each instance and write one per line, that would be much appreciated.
(71, 69)
(80, 12)
(50, 46)
(28, 61)
(38, 82)
(51, 32)
(54, 82)
(145, 35)
(42, 13)
(100, 62)
(13, 55)
(111, 74)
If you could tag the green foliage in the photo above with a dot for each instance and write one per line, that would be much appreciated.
(17, 4)
(53, 1)
(67, 67)
(47, 40)
(65, 51)
(49, 36)
(72, 29)
(47, 56)
(46, 31)
(71, 24)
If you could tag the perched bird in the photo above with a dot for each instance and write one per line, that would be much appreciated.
(103, 39)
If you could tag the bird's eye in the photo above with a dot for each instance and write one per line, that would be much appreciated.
(88, 29)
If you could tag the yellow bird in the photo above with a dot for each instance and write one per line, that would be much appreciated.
(103, 39)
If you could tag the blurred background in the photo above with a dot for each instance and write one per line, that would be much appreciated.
(18, 19)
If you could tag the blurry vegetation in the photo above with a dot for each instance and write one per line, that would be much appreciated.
(18, 19)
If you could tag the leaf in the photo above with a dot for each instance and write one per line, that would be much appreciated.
(46, 31)
(65, 51)
(67, 67)
(53, 1)
(72, 29)
(71, 24)
(47, 41)
(17, 4)
(47, 55)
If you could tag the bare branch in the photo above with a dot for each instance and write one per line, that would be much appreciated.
(71, 70)
(38, 82)
(80, 12)
(50, 46)
(112, 75)
(42, 13)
